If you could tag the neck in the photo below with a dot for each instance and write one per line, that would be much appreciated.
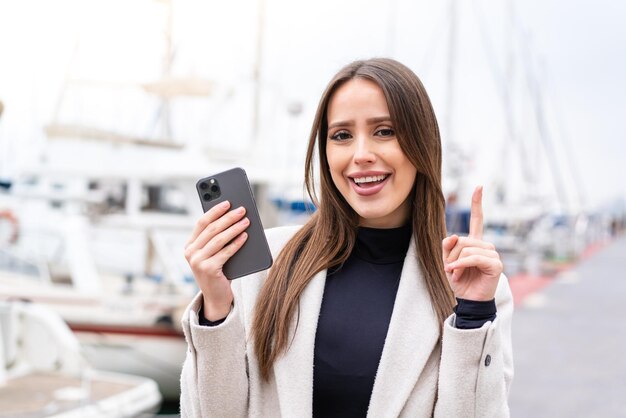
(383, 245)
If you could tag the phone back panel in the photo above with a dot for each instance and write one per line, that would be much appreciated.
(255, 254)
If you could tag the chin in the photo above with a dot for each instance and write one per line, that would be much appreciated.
(369, 214)
(381, 217)
(375, 220)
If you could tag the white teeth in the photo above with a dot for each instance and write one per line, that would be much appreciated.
(370, 179)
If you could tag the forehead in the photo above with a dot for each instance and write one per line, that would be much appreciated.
(357, 98)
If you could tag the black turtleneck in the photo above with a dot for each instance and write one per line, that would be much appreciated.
(354, 318)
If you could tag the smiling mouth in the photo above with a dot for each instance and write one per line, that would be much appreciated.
(369, 181)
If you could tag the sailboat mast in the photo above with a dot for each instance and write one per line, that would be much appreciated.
(454, 171)
(451, 69)
(3, 152)
(168, 57)
(256, 72)
(391, 27)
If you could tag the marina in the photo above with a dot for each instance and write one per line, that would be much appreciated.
(104, 134)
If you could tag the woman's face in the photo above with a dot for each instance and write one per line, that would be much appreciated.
(366, 162)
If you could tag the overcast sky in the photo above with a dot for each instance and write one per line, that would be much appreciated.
(573, 50)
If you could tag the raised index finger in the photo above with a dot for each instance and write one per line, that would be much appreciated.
(476, 214)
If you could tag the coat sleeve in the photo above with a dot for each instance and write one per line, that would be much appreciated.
(476, 367)
(214, 379)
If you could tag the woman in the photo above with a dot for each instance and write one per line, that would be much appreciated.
(356, 317)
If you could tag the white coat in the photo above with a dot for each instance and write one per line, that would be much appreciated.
(467, 373)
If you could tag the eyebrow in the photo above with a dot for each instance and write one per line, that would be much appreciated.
(370, 121)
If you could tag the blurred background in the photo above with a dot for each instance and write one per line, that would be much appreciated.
(110, 111)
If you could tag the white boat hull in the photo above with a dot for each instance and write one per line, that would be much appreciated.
(138, 352)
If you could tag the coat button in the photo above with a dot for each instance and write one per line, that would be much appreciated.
(487, 360)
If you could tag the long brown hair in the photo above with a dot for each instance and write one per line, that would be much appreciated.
(328, 238)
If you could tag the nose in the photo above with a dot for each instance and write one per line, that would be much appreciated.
(363, 153)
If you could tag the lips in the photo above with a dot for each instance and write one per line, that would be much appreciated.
(368, 188)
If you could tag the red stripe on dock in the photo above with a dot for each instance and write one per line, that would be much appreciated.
(523, 285)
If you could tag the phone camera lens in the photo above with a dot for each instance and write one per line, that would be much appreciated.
(206, 196)
(203, 186)
(214, 188)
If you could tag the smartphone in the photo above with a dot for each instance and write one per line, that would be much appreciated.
(233, 185)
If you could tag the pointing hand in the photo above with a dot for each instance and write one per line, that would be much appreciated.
(473, 266)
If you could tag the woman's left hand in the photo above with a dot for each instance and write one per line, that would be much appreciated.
(473, 266)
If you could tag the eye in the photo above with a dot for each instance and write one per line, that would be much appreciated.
(340, 136)
(385, 132)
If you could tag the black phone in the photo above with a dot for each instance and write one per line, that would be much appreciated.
(233, 185)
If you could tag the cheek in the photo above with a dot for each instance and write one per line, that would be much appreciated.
(335, 160)
(333, 167)
(408, 173)
(337, 179)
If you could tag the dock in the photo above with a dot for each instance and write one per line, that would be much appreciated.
(569, 342)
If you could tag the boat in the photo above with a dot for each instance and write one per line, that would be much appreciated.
(43, 372)
(121, 317)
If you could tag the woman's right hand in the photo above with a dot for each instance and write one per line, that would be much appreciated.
(218, 235)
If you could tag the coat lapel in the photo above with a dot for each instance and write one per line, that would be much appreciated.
(294, 370)
(413, 333)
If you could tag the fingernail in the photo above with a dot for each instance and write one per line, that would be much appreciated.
(244, 221)
(224, 204)
(240, 209)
